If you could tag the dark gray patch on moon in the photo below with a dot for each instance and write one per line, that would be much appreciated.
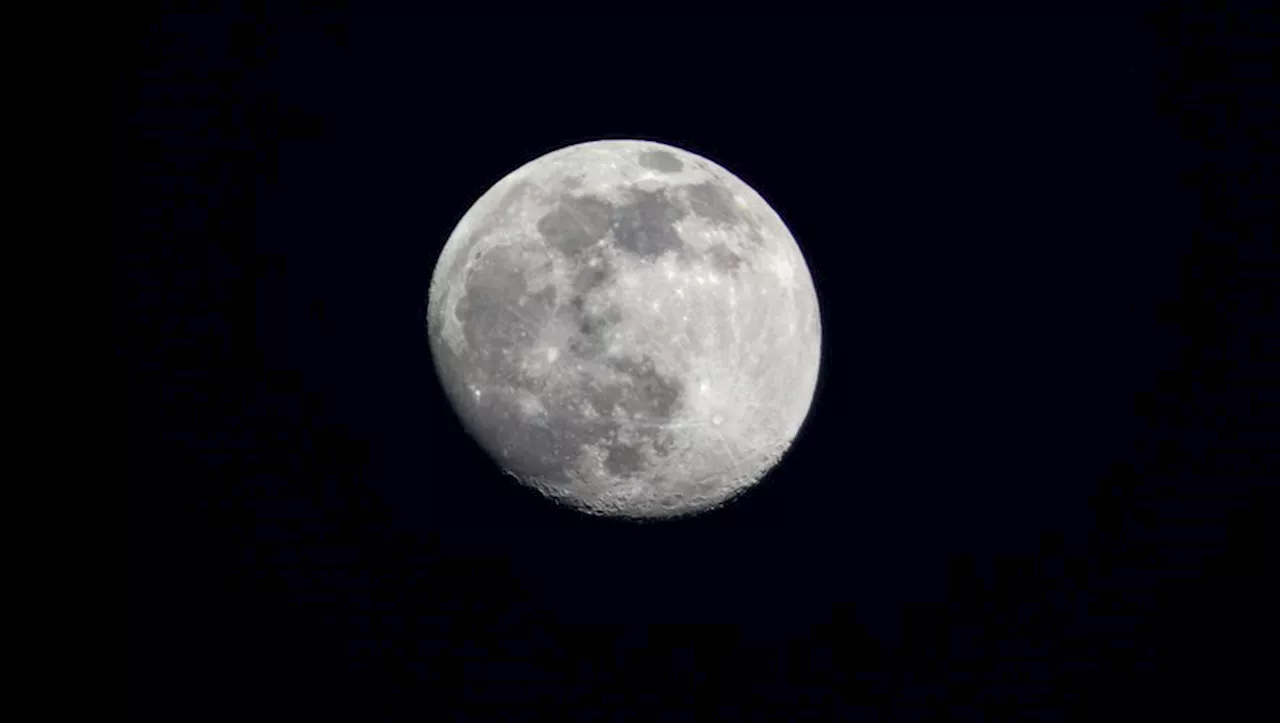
(646, 397)
(723, 259)
(575, 224)
(591, 277)
(656, 398)
(622, 459)
(643, 226)
(546, 444)
(646, 225)
(591, 330)
(498, 312)
(539, 450)
(661, 161)
(492, 220)
(714, 203)
(546, 447)
(498, 307)
(591, 326)
(604, 398)
(501, 317)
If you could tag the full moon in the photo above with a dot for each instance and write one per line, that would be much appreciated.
(628, 328)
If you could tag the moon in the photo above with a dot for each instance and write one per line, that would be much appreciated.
(628, 328)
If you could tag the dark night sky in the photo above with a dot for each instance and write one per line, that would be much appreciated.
(1039, 444)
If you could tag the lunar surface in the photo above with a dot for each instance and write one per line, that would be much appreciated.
(628, 328)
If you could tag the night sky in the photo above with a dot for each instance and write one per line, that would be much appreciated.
(1038, 475)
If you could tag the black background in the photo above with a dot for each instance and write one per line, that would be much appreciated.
(1035, 479)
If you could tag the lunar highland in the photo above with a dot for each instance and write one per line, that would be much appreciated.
(626, 327)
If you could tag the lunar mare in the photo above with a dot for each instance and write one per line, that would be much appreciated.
(627, 327)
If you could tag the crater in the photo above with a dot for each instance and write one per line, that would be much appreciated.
(661, 161)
